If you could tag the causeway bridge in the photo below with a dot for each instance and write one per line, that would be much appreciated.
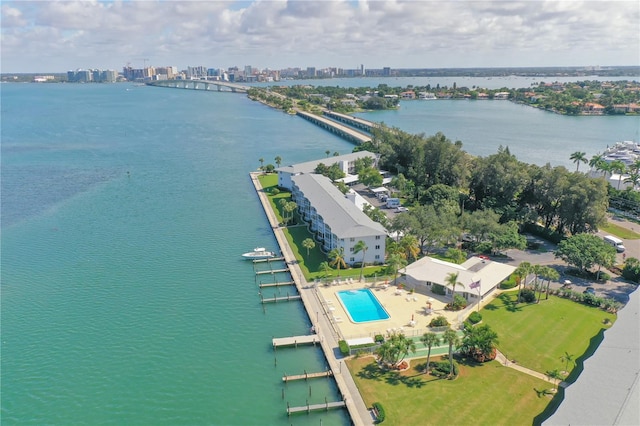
(344, 132)
(358, 123)
(331, 121)
(207, 85)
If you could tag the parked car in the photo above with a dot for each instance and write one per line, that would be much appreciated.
(402, 209)
(590, 290)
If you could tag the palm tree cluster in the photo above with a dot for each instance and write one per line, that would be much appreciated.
(479, 342)
(394, 350)
(630, 173)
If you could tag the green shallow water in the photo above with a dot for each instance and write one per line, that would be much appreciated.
(124, 297)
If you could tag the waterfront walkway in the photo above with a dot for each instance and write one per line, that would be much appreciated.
(360, 414)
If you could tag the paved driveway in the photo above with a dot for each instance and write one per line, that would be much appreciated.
(616, 288)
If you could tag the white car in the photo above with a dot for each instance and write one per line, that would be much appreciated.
(401, 209)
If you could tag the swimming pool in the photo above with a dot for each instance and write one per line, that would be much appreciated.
(362, 305)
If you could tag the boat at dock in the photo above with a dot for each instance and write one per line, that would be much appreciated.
(259, 253)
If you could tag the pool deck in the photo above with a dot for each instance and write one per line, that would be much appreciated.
(401, 305)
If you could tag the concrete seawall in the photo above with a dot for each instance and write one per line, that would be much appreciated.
(358, 411)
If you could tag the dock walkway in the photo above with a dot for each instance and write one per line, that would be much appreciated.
(296, 340)
(315, 407)
(307, 376)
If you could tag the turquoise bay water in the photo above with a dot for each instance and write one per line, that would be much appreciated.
(362, 305)
(124, 296)
(124, 213)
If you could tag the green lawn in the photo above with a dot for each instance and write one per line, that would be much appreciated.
(485, 394)
(537, 335)
(619, 231)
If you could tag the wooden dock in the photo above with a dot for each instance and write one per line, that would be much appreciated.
(315, 407)
(286, 298)
(307, 376)
(272, 259)
(296, 340)
(276, 284)
(272, 271)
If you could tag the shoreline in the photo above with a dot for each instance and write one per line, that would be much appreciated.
(358, 411)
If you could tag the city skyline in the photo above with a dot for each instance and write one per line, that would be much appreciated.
(60, 36)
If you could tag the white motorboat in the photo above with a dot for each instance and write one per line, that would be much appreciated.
(259, 253)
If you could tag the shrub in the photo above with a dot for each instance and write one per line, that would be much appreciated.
(274, 191)
(438, 289)
(475, 317)
(604, 277)
(439, 321)
(540, 231)
(344, 347)
(458, 303)
(528, 295)
(443, 368)
(631, 270)
(379, 410)
(510, 282)
(379, 338)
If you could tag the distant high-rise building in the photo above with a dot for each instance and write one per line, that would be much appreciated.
(386, 71)
(311, 71)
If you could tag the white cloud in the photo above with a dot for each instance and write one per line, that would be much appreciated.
(55, 36)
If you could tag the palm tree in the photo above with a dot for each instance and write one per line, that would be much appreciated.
(327, 152)
(633, 179)
(550, 274)
(618, 167)
(394, 263)
(361, 246)
(429, 340)
(290, 207)
(283, 202)
(410, 246)
(309, 244)
(567, 358)
(596, 161)
(395, 349)
(522, 272)
(278, 160)
(555, 376)
(578, 157)
(324, 267)
(451, 337)
(452, 281)
(337, 258)
(336, 154)
(261, 160)
(479, 342)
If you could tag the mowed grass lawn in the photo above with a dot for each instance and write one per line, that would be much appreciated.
(538, 335)
(483, 394)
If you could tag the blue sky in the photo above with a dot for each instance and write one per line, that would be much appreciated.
(59, 36)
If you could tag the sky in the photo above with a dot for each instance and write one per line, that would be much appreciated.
(57, 36)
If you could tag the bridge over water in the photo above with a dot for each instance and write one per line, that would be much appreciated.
(211, 85)
(331, 122)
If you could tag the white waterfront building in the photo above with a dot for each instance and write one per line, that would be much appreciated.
(346, 163)
(335, 220)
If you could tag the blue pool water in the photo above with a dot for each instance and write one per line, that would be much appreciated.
(362, 306)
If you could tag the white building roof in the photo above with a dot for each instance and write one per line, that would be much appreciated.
(489, 273)
(345, 219)
(310, 166)
(607, 391)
